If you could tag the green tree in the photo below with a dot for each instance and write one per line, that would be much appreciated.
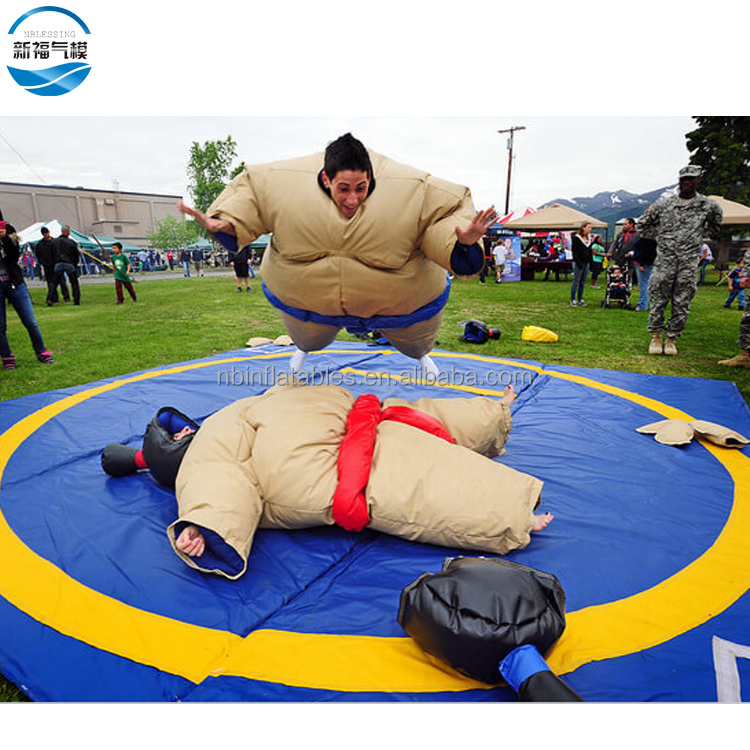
(210, 168)
(721, 146)
(170, 233)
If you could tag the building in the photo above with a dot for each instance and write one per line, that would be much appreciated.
(114, 213)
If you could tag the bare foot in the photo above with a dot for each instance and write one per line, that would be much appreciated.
(510, 395)
(191, 541)
(542, 521)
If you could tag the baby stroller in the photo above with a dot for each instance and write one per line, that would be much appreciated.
(618, 286)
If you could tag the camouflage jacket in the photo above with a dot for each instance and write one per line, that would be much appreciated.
(745, 273)
(680, 226)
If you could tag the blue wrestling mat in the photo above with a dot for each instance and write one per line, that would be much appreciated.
(649, 542)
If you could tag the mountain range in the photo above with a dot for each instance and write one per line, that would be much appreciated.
(613, 206)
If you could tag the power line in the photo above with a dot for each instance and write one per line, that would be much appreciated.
(43, 181)
(21, 157)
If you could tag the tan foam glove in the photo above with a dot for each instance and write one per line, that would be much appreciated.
(282, 340)
(679, 432)
(669, 431)
(719, 435)
(257, 341)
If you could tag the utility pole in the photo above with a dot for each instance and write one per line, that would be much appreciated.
(510, 161)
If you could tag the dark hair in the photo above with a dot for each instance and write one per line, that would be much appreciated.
(346, 152)
(631, 220)
(117, 244)
(44, 230)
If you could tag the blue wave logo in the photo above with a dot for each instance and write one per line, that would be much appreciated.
(58, 79)
(54, 81)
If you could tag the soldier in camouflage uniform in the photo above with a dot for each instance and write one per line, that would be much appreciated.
(743, 358)
(679, 224)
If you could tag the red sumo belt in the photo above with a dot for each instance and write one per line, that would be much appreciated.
(355, 454)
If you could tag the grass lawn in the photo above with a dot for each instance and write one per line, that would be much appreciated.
(178, 319)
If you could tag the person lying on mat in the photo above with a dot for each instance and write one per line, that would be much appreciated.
(303, 456)
(358, 241)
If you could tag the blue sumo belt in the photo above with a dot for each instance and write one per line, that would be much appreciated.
(357, 325)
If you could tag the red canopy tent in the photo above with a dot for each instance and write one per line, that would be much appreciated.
(515, 214)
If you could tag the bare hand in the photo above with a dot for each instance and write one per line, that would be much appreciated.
(481, 222)
(212, 225)
(191, 541)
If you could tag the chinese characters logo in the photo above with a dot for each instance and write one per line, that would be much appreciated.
(52, 37)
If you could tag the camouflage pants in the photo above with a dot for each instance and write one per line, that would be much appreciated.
(744, 339)
(675, 283)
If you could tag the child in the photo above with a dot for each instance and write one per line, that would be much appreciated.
(734, 286)
(597, 259)
(122, 273)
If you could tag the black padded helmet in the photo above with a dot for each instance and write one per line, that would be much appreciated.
(161, 451)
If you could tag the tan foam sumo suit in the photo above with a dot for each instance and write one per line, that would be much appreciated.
(387, 265)
(270, 461)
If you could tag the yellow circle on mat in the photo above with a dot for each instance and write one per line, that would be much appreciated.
(352, 663)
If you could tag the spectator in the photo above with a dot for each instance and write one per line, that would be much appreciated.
(623, 247)
(83, 262)
(552, 254)
(582, 241)
(598, 254)
(67, 257)
(13, 290)
(705, 258)
(185, 260)
(489, 260)
(644, 255)
(170, 259)
(743, 358)
(143, 259)
(500, 251)
(735, 289)
(241, 268)
(99, 262)
(27, 264)
(46, 260)
(122, 267)
(197, 256)
(679, 224)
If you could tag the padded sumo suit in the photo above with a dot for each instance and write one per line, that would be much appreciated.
(384, 269)
(273, 461)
